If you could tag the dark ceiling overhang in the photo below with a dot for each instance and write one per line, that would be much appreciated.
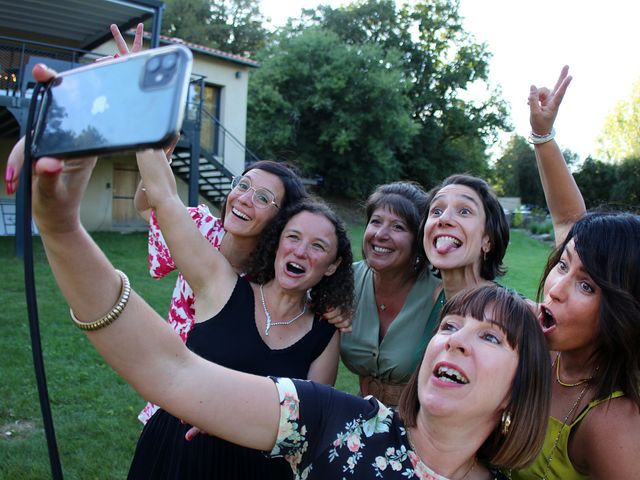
(80, 24)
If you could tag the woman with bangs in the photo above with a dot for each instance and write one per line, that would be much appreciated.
(590, 315)
(457, 425)
(273, 327)
(479, 365)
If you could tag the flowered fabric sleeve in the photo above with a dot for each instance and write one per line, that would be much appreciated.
(160, 261)
(323, 428)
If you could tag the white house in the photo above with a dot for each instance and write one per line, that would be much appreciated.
(71, 32)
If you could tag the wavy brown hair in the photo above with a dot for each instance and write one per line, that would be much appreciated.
(334, 291)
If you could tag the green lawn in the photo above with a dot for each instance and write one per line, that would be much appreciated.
(93, 409)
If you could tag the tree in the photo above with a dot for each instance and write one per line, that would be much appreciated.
(595, 180)
(620, 137)
(334, 109)
(516, 174)
(626, 190)
(234, 26)
(439, 61)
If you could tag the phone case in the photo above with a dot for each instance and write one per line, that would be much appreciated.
(128, 103)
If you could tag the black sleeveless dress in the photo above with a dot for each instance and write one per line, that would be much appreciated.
(230, 339)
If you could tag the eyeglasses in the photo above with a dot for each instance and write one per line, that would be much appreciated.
(261, 197)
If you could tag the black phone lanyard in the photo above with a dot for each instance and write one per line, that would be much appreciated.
(30, 292)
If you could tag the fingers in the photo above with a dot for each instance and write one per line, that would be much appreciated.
(137, 40)
(121, 44)
(344, 328)
(168, 150)
(534, 99)
(42, 73)
(191, 433)
(563, 75)
(561, 89)
(48, 166)
(332, 315)
(117, 36)
(14, 166)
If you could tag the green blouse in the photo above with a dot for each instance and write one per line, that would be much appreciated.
(395, 358)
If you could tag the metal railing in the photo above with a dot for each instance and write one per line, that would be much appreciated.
(17, 56)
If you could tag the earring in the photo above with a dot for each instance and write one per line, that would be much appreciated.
(505, 422)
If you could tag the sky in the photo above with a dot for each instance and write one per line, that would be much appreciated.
(531, 41)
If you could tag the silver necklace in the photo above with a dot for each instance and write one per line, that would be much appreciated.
(270, 323)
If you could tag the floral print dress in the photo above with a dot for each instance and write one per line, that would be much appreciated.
(181, 311)
(328, 434)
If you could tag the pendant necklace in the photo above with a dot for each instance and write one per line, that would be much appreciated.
(269, 323)
(569, 413)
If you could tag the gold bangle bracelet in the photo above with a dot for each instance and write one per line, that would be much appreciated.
(115, 312)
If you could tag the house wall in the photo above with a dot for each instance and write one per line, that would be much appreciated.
(96, 210)
(233, 78)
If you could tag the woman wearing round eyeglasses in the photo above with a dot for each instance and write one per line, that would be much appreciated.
(256, 197)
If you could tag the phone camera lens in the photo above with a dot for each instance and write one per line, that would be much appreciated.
(153, 64)
(169, 61)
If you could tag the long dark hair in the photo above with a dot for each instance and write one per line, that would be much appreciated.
(294, 190)
(408, 200)
(496, 225)
(608, 246)
(332, 291)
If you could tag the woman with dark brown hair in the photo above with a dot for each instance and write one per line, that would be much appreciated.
(394, 293)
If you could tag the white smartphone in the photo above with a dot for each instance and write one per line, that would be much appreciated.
(128, 103)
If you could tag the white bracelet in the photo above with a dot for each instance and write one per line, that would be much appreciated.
(536, 139)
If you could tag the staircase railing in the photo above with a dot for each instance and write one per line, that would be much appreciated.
(205, 138)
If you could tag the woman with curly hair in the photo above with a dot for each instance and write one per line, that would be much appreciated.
(266, 325)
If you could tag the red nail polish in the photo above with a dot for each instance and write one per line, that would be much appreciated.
(10, 188)
(8, 174)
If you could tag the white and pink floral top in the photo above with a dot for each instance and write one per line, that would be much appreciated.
(181, 311)
(325, 433)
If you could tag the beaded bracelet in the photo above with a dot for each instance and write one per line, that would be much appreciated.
(536, 139)
(115, 312)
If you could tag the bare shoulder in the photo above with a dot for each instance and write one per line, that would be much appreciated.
(607, 443)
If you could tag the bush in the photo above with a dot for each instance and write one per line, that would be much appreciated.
(544, 227)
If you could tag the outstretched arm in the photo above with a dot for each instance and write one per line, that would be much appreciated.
(561, 192)
(238, 407)
(208, 272)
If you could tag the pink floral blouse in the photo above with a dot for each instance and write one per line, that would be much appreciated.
(181, 311)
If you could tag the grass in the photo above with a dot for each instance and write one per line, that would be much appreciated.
(94, 411)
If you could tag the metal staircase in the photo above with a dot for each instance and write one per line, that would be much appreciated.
(208, 176)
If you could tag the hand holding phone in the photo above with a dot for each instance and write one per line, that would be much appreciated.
(127, 103)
